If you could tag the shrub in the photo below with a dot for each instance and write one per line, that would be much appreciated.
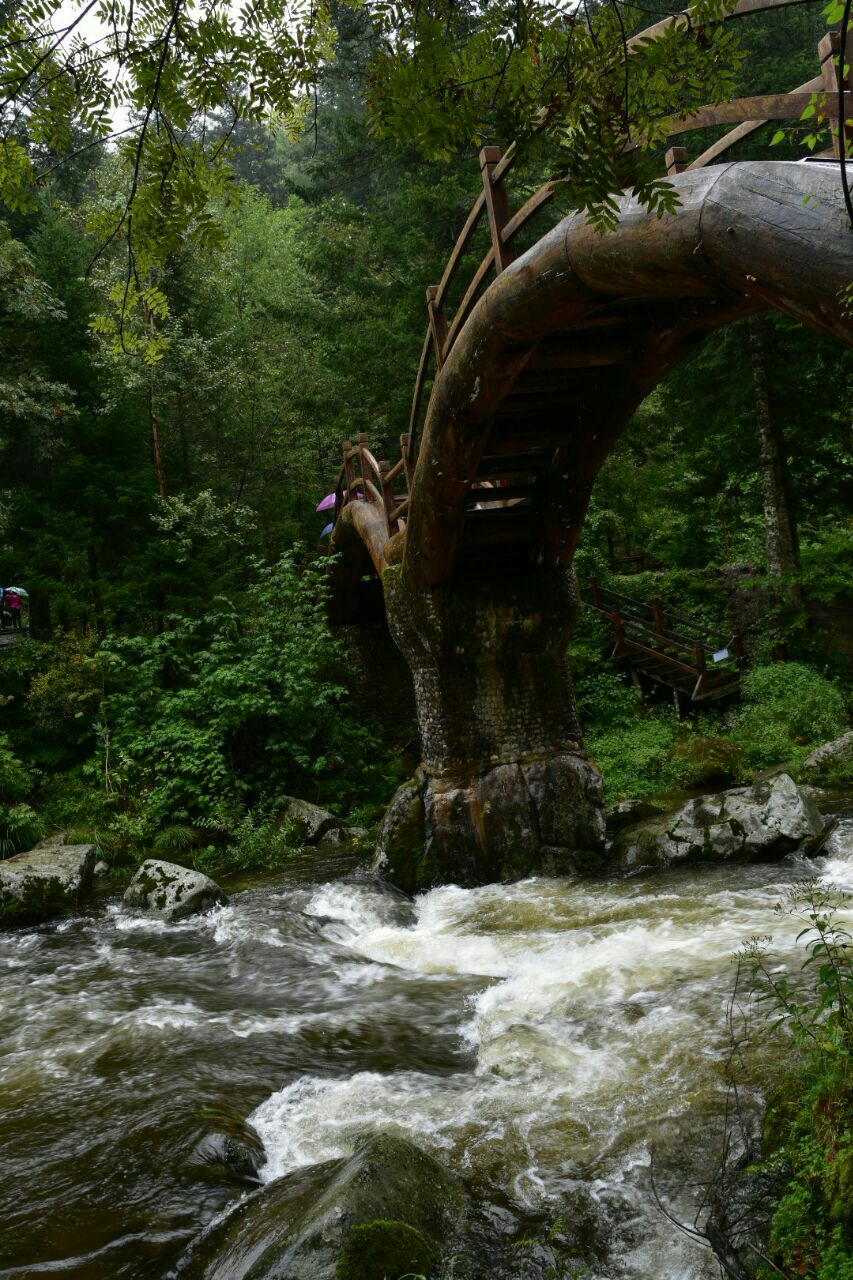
(811, 1231)
(787, 708)
(224, 714)
(705, 759)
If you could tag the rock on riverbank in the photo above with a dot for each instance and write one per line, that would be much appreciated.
(389, 1210)
(745, 824)
(172, 892)
(50, 880)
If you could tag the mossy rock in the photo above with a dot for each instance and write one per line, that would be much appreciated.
(302, 1226)
(400, 843)
(385, 1250)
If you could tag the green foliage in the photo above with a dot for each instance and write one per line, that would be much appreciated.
(258, 844)
(811, 1231)
(632, 745)
(223, 714)
(787, 708)
(19, 824)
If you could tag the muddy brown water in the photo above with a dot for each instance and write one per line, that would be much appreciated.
(543, 1038)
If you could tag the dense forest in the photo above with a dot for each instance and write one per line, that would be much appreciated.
(151, 510)
(179, 677)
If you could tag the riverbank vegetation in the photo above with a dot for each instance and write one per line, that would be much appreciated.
(804, 1226)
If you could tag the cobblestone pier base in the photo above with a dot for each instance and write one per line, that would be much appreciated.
(504, 789)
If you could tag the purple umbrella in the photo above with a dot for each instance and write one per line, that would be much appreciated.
(327, 503)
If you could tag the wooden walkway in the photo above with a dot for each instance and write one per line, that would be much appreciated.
(667, 647)
(525, 385)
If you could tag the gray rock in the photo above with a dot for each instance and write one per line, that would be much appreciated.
(745, 824)
(50, 842)
(835, 841)
(626, 812)
(51, 880)
(234, 1156)
(831, 754)
(310, 823)
(171, 891)
(389, 1205)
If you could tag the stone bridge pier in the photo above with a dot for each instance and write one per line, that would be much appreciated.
(504, 789)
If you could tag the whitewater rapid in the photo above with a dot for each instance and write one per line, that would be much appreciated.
(548, 1039)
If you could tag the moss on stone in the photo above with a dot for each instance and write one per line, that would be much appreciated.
(385, 1250)
(401, 839)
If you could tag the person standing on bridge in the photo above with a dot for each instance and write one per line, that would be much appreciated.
(12, 601)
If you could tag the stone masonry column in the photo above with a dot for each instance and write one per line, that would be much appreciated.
(504, 790)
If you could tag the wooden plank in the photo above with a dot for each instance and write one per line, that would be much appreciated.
(468, 301)
(497, 207)
(437, 325)
(459, 248)
(532, 206)
(368, 457)
(426, 353)
(765, 106)
(394, 471)
(741, 10)
(722, 145)
(501, 493)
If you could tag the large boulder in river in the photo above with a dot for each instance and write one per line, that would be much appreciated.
(51, 880)
(746, 824)
(389, 1210)
(310, 823)
(172, 892)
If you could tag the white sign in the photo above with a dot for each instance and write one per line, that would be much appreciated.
(720, 655)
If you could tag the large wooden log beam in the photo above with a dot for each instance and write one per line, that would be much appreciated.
(742, 238)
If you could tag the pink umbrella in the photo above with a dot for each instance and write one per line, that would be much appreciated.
(327, 503)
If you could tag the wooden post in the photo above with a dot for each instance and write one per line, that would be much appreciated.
(618, 627)
(407, 466)
(349, 471)
(596, 594)
(362, 445)
(387, 492)
(676, 160)
(737, 649)
(657, 614)
(829, 50)
(701, 669)
(497, 207)
(437, 324)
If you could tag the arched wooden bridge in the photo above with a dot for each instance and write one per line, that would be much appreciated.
(535, 377)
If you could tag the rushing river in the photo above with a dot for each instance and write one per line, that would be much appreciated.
(543, 1038)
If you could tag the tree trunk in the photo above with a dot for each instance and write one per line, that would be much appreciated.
(778, 523)
(155, 441)
(785, 595)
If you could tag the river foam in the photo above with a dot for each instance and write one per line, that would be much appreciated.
(545, 1039)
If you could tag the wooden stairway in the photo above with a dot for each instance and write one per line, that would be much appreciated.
(668, 647)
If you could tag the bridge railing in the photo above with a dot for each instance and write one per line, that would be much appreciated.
(375, 481)
(493, 202)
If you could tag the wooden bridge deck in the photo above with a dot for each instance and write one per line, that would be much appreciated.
(547, 356)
